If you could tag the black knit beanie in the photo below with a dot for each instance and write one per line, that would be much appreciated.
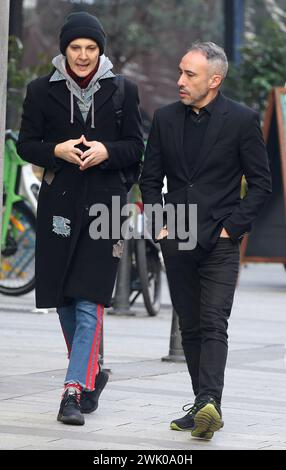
(82, 25)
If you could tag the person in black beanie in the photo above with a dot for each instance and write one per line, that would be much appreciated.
(79, 25)
(70, 128)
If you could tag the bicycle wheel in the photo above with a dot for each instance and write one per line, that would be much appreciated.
(149, 270)
(17, 268)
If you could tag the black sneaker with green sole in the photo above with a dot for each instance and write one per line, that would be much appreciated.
(207, 420)
(187, 422)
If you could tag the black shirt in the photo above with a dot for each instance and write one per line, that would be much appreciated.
(194, 130)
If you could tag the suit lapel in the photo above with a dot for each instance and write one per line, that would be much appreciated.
(215, 125)
(178, 125)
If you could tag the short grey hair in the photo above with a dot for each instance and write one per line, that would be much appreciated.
(214, 54)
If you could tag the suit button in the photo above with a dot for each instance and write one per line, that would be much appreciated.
(191, 185)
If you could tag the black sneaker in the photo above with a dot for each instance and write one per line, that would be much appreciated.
(186, 423)
(208, 419)
(89, 400)
(70, 412)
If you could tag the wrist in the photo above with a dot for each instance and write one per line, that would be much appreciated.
(57, 151)
(105, 152)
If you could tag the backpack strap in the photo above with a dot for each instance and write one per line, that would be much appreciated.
(118, 98)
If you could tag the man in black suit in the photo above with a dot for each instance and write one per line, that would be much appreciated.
(204, 144)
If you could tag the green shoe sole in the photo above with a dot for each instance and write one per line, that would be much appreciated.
(207, 422)
(175, 427)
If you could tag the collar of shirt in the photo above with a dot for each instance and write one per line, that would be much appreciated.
(206, 110)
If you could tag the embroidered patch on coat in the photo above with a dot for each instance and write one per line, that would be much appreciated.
(118, 249)
(61, 226)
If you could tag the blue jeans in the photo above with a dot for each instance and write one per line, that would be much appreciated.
(81, 322)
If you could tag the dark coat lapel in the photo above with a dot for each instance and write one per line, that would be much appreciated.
(215, 125)
(107, 88)
(60, 92)
(178, 126)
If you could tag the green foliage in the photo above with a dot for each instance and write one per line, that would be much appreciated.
(263, 66)
(19, 77)
(137, 28)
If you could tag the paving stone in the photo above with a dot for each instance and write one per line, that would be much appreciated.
(144, 393)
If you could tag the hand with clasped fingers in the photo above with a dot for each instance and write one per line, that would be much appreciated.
(95, 154)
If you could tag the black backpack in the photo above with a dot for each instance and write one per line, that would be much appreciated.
(129, 175)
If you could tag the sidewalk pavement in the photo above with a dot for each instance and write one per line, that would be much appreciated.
(144, 393)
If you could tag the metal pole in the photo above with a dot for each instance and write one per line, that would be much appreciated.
(15, 30)
(238, 29)
(176, 353)
(121, 299)
(121, 303)
(234, 28)
(4, 34)
(16, 18)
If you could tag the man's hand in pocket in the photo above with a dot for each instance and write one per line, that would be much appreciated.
(224, 234)
(163, 233)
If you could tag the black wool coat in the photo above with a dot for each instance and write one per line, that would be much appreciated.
(69, 263)
(232, 146)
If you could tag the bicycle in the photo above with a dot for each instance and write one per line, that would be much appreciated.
(20, 193)
(140, 267)
(149, 262)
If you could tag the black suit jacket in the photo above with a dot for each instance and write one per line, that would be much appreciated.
(233, 145)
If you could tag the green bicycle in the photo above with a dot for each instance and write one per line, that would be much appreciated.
(20, 192)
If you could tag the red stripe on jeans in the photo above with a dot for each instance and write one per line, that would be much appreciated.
(89, 385)
(95, 368)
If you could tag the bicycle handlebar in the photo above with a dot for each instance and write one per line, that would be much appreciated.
(9, 134)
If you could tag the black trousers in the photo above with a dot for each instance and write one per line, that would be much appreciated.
(202, 286)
